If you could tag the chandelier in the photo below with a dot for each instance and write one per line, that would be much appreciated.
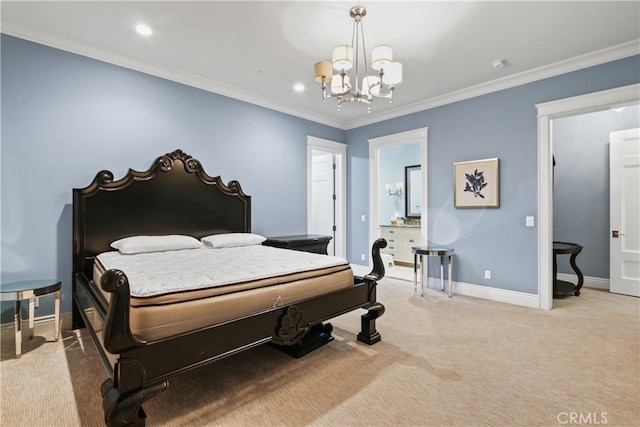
(346, 84)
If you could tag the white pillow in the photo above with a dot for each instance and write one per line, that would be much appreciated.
(232, 240)
(143, 244)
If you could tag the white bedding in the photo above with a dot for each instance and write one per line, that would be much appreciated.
(157, 273)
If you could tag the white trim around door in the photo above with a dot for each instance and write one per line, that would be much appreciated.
(548, 111)
(340, 150)
(375, 144)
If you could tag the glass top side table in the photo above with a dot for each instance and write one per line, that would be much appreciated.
(421, 251)
(31, 289)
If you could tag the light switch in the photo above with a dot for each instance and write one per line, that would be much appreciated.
(363, 218)
(530, 221)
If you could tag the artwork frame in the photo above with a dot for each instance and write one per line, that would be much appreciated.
(477, 183)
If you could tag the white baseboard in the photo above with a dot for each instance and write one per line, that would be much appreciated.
(41, 326)
(489, 293)
(477, 291)
(589, 282)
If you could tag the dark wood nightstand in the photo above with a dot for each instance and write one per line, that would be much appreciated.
(314, 243)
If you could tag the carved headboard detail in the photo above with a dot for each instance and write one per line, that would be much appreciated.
(175, 196)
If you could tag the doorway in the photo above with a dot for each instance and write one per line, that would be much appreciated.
(326, 192)
(581, 208)
(547, 112)
(378, 188)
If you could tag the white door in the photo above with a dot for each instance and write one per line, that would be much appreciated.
(323, 196)
(624, 181)
(327, 192)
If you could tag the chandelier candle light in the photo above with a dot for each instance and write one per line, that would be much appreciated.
(345, 85)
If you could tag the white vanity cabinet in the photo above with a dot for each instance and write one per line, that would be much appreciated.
(400, 239)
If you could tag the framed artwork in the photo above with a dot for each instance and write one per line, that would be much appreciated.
(477, 184)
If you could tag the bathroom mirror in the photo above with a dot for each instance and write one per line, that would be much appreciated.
(413, 191)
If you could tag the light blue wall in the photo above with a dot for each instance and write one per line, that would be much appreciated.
(65, 117)
(581, 185)
(392, 161)
(501, 124)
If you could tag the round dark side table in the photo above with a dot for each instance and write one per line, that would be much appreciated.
(562, 287)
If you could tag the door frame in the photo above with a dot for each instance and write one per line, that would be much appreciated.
(375, 144)
(547, 112)
(340, 150)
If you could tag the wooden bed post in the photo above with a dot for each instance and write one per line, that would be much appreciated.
(125, 408)
(117, 334)
(368, 333)
(124, 394)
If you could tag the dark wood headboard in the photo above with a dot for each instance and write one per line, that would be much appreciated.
(175, 196)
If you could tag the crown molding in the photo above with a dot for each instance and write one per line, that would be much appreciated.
(103, 54)
(602, 56)
(80, 47)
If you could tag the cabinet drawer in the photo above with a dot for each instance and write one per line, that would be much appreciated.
(399, 241)
(388, 234)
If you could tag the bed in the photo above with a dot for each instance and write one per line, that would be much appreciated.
(146, 338)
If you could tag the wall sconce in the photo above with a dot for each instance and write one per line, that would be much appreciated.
(397, 191)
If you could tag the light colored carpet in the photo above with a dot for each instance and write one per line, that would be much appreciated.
(442, 362)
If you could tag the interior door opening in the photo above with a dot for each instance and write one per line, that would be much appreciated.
(326, 192)
(547, 112)
(323, 197)
(386, 190)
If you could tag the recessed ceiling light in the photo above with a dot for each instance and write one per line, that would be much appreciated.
(144, 29)
(298, 87)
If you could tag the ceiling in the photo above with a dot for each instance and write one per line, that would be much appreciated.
(257, 51)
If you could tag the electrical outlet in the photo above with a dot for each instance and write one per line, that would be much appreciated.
(487, 274)
(362, 257)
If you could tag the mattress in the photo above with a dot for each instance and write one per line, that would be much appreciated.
(176, 292)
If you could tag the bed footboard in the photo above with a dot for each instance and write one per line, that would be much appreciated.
(138, 374)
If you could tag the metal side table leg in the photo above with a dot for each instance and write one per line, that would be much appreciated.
(415, 273)
(450, 274)
(421, 275)
(56, 316)
(442, 273)
(18, 325)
